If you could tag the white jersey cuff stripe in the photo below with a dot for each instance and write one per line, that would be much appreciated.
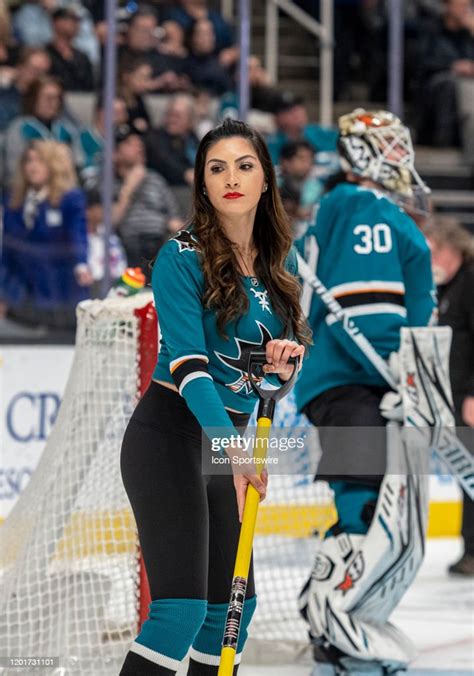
(155, 657)
(193, 376)
(211, 660)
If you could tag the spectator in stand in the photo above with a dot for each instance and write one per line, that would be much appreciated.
(71, 66)
(86, 40)
(142, 39)
(446, 57)
(291, 197)
(96, 12)
(298, 170)
(291, 119)
(204, 66)
(96, 246)
(171, 148)
(204, 112)
(33, 63)
(135, 80)
(173, 41)
(32, 23)
(91, 140)
(43, 118)
(452, 253)
(33, 26)
(263, 95)
(145, 212)
(186, 12)
(44, 271)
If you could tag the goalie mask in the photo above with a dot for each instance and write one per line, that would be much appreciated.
(376, 145)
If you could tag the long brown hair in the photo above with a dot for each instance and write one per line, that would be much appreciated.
(224, 291)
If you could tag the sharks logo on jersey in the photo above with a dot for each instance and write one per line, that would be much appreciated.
(262, 297)
(240, 363)
(186, 241)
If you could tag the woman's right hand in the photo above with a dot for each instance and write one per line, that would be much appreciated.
(242, 482)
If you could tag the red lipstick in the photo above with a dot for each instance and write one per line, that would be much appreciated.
(232, 195)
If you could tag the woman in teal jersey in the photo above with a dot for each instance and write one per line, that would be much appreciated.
(223, 287)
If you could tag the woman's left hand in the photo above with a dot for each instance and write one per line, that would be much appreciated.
(278, 353)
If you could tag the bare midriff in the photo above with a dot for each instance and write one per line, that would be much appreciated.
(170, 386)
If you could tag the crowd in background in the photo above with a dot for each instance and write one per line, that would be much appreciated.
(185, 53)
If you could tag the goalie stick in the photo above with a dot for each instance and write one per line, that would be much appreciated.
(451, 451)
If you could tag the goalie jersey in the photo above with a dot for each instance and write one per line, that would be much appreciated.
(209, 371)
(377, 264)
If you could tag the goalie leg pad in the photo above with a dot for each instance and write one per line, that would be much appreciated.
(340, 567)
(357, 580)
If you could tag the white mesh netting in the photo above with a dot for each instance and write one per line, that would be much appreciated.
(69, 565)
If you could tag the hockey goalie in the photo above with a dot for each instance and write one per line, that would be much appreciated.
(367, 249)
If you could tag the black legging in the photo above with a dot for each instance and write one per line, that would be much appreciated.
(187, 522)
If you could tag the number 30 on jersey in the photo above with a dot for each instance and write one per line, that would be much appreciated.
(376, 238)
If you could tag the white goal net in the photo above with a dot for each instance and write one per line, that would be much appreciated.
(69, 555)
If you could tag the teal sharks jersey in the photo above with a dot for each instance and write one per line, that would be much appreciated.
(209, 370)
(376, 263)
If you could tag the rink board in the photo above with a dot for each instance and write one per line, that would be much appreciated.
(117, 530)
(32, 382)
